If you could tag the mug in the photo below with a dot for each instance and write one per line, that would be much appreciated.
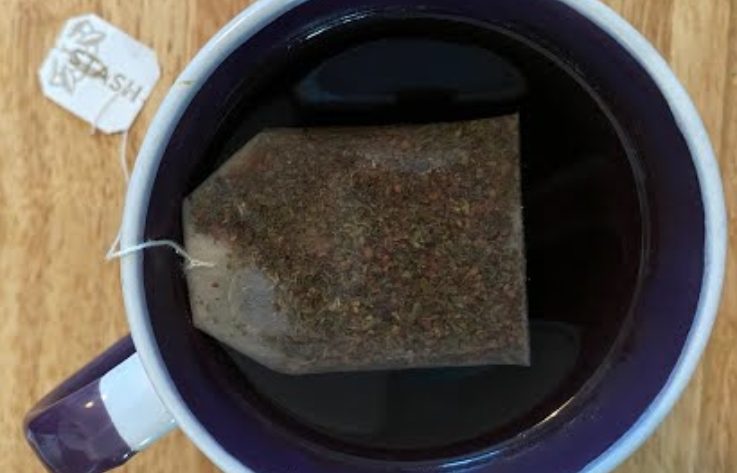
(131, 395)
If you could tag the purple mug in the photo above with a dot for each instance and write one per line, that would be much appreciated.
(130, 396)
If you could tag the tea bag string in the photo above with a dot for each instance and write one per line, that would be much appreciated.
(116, 251)
(192, 263)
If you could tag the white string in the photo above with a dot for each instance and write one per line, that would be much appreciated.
(191, 262)
(115, 251)
(124, 157)
(110, 255)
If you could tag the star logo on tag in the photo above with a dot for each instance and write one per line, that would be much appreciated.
(81, 38)
(99, 73)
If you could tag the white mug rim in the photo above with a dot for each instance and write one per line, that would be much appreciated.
(264, 11)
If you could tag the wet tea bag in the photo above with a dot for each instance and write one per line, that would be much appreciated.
(365, 248)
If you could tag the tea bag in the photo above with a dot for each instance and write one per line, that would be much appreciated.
(365, 248)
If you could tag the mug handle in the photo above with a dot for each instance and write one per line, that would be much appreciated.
(100, 417)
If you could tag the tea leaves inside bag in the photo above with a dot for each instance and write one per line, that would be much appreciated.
(361, 248)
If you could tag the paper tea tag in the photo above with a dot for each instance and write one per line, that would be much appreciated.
(99, 73)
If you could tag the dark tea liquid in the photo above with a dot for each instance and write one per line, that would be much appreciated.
(584, 229)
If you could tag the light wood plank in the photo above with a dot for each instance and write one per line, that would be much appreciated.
(61, 193)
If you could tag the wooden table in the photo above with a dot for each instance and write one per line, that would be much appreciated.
(61, 193)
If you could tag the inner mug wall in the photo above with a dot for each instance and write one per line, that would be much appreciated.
(584, 238)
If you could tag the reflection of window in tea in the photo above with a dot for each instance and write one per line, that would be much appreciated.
(355, 248)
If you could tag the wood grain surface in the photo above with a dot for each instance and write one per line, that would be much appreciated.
(61, 192)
